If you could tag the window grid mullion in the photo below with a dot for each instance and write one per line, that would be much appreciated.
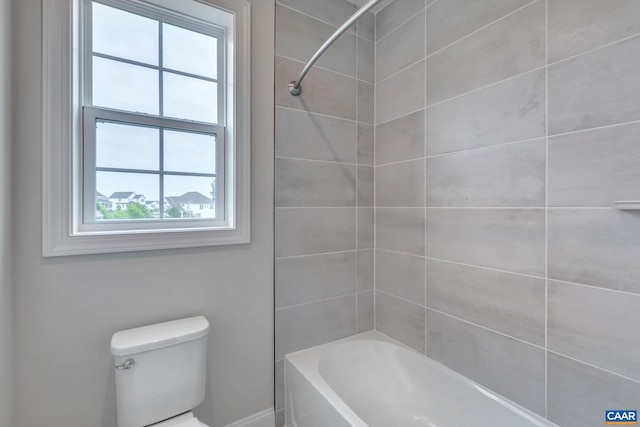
(161, 174)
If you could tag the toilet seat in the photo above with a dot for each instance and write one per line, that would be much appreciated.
(184, 420)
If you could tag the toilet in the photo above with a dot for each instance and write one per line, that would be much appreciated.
(161, 373)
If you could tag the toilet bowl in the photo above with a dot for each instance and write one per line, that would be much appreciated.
(184, 420)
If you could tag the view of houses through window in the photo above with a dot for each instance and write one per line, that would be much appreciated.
(132, 205)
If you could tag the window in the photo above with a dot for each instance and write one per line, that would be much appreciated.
(152, 148)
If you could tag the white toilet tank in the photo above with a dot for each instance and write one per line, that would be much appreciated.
(160, 370)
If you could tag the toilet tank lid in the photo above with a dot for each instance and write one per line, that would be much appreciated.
(145, 338)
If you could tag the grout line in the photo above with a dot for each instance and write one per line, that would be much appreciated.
(318, 207)
(482, 28)
(316, 254)
(400, 116)
(496, 270)
(319, 114)
(400, 25)
(597, 288)
(399, 162)
(286, 307)
(331, 162)
(424, 147)
(395, 73)
(594, 366)
(622, 40)
(486, 147)
(400, 298)
(357, 172)
(546, 214)
(486, 328)
(375, 174)
(329, 70)
(633, 122)
(400, 253)
(478, 89)
(335, 27)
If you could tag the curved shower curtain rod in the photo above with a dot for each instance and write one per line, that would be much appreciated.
(294, 86)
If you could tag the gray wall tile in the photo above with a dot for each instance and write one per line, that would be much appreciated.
(310, 278)
(611, 76)
(367, 26)
(579, 394)
(401, 230)
(400, 48)
(366, 229)
(365, 144)
(365, 186)
(309, 183)
(401, 184)
(401, 275)
(366, 60)
(299, 36)
(308, 325)
(512, 368)
(603, 329)
(400, 94)
(304, 135)
(595, 168)
(366, 102)
(506, 239)
(334, 12)
(596, 247)
(397, 12)
(478, 62)
(323, 91)
(576, 26)
(507, 175)
(401, 320)
(366, 270)
(513, 110)
(400, 139)
(365, 311)
(279, 385)
(304, 231)
(449, 21)
(507, 303)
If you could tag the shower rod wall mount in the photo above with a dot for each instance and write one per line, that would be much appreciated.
(295, 87)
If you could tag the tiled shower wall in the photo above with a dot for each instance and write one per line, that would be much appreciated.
(504, 131)
(324, 180)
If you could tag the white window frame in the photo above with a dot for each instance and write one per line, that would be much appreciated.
(63, 233)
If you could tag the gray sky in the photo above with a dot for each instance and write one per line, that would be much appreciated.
(129, 87)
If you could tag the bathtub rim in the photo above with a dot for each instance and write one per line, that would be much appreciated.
(306, 363)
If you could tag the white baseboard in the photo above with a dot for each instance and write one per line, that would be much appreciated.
(266, 418)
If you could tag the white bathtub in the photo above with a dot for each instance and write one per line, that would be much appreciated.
(369, 380)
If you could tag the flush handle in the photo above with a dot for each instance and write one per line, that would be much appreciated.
(128, 364)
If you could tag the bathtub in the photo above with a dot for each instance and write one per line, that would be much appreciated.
(371, 380)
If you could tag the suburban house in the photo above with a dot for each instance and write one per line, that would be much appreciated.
(122, 199)
(193, 205)
(190, 205)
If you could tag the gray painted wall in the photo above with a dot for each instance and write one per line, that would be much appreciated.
(324, 180)
(504, 131)
(67, 308)
(6, 298)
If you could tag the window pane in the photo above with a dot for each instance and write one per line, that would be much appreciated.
(124, 86)
(189, 98)
(127, 195)
(188, 51)
(127, 147)
(189, 152)
(125, 35)
(189, 197)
